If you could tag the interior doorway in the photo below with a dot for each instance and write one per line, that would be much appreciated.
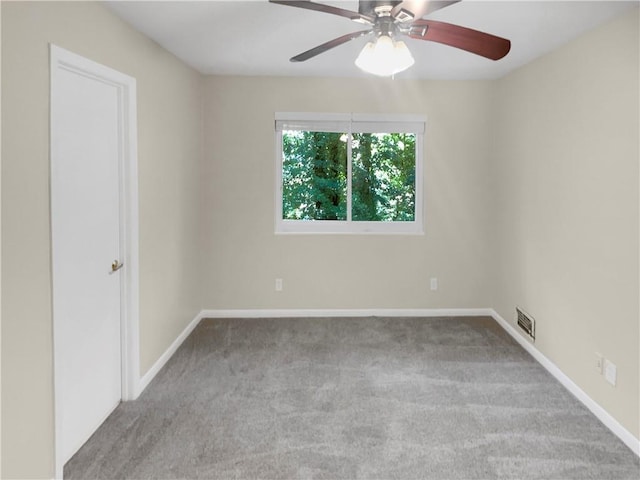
(94, 233)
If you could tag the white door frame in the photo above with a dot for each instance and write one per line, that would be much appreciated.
(61, 59)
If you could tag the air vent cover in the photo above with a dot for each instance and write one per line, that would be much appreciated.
(526, 322)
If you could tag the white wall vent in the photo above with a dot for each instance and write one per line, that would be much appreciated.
(527, 323)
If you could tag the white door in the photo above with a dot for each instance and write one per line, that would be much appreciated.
(87, 147)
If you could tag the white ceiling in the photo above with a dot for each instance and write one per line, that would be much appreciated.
(241, 37)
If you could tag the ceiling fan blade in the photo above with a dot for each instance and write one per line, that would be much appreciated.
(329, 45)
(473, 41)
(319, 7)
(416, 9)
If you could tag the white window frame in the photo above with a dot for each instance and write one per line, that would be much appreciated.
(351, 123)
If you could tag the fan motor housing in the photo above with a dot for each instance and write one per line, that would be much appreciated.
(368, 7)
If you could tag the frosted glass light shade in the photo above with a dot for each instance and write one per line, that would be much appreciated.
(384, 57)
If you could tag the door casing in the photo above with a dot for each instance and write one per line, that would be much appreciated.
(61, 59)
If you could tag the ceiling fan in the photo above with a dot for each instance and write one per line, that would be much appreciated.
(390, 19)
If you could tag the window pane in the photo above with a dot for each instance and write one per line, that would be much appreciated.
(314, 175)
(384, 177)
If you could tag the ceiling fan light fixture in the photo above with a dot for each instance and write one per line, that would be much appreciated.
(384, 57)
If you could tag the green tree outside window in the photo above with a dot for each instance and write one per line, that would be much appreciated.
(315, 179)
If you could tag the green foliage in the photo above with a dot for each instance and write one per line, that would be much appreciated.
(383, 178)
(314, 173)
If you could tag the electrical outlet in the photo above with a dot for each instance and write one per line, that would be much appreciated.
(434, 284)
(278, 284)
(599, 364)
(610, 372)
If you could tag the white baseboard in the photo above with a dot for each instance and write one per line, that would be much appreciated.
(372, 312)
(164, 358)
(605, 417)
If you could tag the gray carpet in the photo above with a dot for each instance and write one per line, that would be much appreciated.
(346, 398)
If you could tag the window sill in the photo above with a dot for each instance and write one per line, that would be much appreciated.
(328, 227)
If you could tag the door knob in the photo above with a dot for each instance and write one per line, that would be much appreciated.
(116, 265)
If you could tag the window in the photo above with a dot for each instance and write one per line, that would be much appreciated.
(349, 173)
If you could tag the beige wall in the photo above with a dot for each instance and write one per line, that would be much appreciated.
(169, 141)
(241, 255)
(566, 168)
